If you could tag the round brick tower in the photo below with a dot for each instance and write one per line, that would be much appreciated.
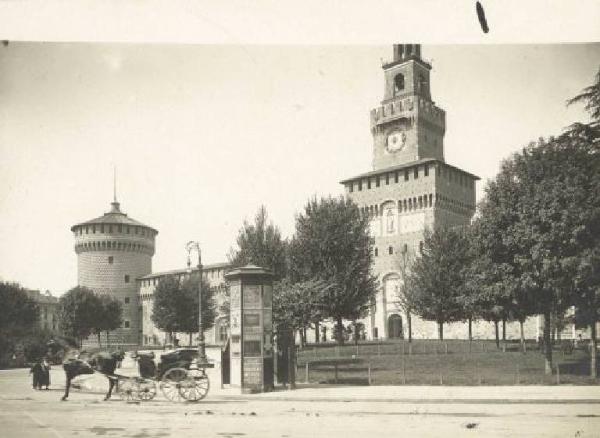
(114, 250)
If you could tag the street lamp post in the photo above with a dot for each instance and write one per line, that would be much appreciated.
(193, 245)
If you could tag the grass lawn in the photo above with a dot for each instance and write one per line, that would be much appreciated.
(429, 362)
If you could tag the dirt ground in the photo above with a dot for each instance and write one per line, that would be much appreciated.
(311, 412)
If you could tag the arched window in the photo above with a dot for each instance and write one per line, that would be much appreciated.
(390, 221)
(398, 82)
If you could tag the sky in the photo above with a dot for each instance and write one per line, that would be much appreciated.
(202, 135)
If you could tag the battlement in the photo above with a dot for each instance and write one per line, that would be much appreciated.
(409, 108)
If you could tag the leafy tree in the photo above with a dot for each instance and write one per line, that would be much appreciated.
(19, 315)
(585, 138)
(332, 244)
(261, 244)
(540, 213)
(110, 318)
(437, 277)
(297, 305)
(80, 311)
(175, 308)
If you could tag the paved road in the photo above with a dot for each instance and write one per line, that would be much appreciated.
(328, 412)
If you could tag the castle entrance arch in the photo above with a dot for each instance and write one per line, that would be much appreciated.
(395, 327)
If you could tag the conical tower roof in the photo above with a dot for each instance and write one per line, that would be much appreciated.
(115, 217)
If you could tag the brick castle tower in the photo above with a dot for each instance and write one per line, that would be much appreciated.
(411, 188)
(114, 250)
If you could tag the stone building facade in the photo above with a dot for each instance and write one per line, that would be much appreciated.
(410, 189)
(48, 306)
(114, 250)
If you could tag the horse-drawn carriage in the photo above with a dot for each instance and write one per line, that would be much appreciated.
(178, 375)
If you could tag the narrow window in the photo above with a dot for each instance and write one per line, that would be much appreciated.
(94, 229)
(377, 181)
(404, 248)
(376, 252)
(126, 324)
(398, 82)
(126, 278)
(406, 175)
(396, 177)
(127, 230)
(416, 172)
(360, 185)
(368, 183)
(126, 300)
(427, 170)
(391, 250)
(351, 187)
(102, 228)
(110, 260)
(387, 179)
(421, 247)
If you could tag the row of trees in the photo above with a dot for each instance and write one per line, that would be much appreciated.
(322, 273)
(533, 249)
(83, 313)
(175, 307)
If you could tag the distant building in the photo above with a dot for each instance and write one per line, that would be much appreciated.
(48, 306)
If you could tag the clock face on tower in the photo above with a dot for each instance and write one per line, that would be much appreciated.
(395, 141)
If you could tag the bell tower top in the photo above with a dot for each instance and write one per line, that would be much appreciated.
(402, 52)
(407, 126)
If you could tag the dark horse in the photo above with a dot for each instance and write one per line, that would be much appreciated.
(102, 362)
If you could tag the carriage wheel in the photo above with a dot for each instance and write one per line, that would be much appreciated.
(171, 382)
(147, 390)
(195, 387)
(129, 390)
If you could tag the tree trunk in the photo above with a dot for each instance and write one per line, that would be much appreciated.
(470, 333)
(317, 334)
(99, 341)
(547, 342)
(339, 328)
(470, 329)
(303, 337)
(504, 330)
(408, 319)
(107, 338)
(497, 330)
(441, 330)
(594, 352)
(523, 348)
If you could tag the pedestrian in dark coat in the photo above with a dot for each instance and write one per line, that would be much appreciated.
(37, 372)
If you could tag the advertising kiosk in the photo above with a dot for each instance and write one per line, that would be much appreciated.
(251, 328)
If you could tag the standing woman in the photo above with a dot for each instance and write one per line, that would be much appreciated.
(45, 377)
